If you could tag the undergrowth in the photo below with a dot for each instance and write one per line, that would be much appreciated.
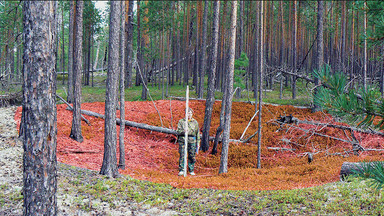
(341, 198)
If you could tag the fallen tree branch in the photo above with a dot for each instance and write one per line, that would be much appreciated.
(298, 121)
(11, 99)
(281, 149)
(249, 123)
(308, 79)
(71, 109)
(79, 152)
(145, 126)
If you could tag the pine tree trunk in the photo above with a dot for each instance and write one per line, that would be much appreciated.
(70, 51)
(241, 29)
(63, 43)
(138, 56)
(343, 30)
(228, 100)
(365, 49)
(129, 40)
(282, 48)
(77, 69)
(320, 46)
(39, 107)
(203, 51)
(122, 89)
(109, 166)
(211, 78)
(294, 49)
(256, 51)
(260, 85)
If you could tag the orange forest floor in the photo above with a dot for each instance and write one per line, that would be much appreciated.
(154, 156)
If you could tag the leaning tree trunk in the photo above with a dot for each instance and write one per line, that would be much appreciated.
(109, 166)
(211, 78)
(77, 69)
(39, 107)
(228, 100)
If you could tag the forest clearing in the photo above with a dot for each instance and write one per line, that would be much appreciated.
(191, 107)
(153, 156)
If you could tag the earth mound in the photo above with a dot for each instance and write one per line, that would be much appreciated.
(154, 156)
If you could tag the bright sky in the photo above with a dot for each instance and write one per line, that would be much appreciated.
(102, 5)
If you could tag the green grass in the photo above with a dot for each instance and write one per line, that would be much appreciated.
(340, 198)
(97, 93)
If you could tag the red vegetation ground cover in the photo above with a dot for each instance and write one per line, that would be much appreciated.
(154, 156)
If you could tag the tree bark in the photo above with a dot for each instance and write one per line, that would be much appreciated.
(129, 39)
(77, 69)
(294, 49)
(228, 100)
(203, 51)
(72, 12)
(260, 84)
(122, 89)
(39, 107)
(320, 47)
(211, 78)
(109, 166)
(138, 55)
(365, 48)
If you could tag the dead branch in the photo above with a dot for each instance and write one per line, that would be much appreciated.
(146, 126)
(71, 109)
(249, 123)
(249, 138)
(309, 79)
(281, 149)
(298, 121)
(79, 152)
(11, 99)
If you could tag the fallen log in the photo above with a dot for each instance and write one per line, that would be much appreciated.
(349, 168)
(133, 124)
(144, 126)
(71, 108)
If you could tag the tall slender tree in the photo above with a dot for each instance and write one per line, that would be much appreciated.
(261, 56)
(365, 47)
(70, 51)
(109, 166)
(129, 39)
(320, 46)
(228, 100)
(211, 78)
(294, 48)
(203, 51)
(77, 69)
(122, 88)
(39, 106)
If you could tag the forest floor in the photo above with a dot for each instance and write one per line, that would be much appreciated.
(150, 185)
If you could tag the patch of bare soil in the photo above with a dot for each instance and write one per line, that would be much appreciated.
(70, 199)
